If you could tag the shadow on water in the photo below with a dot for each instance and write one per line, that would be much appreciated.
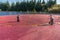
(11, 21)
(45, 24)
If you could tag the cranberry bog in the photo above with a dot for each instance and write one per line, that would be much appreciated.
(30, 27)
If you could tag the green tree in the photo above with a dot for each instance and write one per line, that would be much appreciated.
(12, 8)
(44, 7)
(54, 1)
(17, 6)
(38, 6)
(7, 5)
(50, 3)
(43, 2)
(23, 6)
(3, 7)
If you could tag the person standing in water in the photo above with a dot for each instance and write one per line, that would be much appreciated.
(17, 18)
(51, 20)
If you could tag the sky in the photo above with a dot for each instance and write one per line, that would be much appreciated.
(10, 1)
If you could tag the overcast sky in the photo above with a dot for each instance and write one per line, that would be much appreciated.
(10, 1)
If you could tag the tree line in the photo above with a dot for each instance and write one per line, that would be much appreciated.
(33, 6)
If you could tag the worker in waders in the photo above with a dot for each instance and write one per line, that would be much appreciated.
(51, 20)
(17, 18)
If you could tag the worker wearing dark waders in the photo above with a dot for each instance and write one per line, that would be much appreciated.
(51, 20)
(17, 18)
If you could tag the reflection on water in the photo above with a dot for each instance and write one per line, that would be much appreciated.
(10, 13)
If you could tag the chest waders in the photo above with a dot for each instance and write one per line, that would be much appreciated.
(51, 21)
(17, 18)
